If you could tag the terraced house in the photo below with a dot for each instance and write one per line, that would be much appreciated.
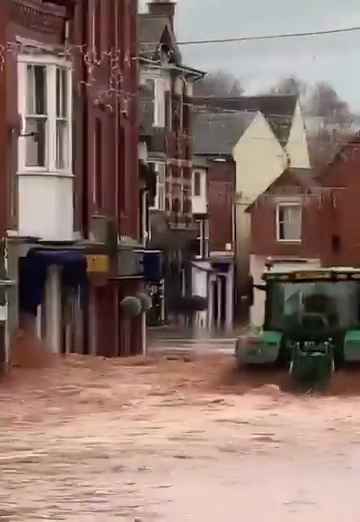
(69, 204)
(166, 136)
(255, 139)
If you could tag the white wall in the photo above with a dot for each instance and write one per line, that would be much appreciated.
(179, 86)
(189, 88)
(257, 268)
(46, 206)
(202, 285)
(200, 288)
(297, 146)
(161, 86)
(199, 280)
(260, 160)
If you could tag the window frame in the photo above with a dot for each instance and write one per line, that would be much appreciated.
(160, 183)
(197, 174)
(288, 204)
(203, 239)
(159, 103)
(52, 64)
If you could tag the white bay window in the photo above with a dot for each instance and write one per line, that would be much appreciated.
(45, 109)
(45, 182)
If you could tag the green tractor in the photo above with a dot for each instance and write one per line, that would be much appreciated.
(312, 324)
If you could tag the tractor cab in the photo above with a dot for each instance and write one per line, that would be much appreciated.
(312, 322)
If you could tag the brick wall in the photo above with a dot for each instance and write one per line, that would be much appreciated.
(316, 213)
(109, 185)
(330, 228)
(342, 228)
(220, 189)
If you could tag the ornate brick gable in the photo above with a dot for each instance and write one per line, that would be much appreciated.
(38, 16)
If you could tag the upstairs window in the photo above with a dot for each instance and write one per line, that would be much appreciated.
(160, 196)
(289, 222)
(44, 101)
(160, 103)
(197, 184)
(202, 240)
(36, 118)
(62, 120)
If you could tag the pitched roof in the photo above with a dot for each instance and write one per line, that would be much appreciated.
(151, 30)
(278, 110)
(216, 133)
(303, 178)
(151, 27)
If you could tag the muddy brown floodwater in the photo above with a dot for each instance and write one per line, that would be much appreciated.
(175, 439)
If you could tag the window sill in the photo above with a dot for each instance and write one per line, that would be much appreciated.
(156, 209)
(45, 173)
(291, 241)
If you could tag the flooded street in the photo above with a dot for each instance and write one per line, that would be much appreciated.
(177, 437)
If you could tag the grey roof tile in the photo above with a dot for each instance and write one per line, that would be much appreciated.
(217, 133)
(278, 110)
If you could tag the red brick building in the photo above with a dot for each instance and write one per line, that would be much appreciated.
(312, 217)
(221, 190)
(108, 183)
(286, 220)
(69, 169)
(214, 170)
(340, 229)
(303, 220)
(166, 135)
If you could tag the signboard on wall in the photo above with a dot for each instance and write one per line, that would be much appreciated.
(98, 264)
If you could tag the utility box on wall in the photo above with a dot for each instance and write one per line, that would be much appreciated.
(129, 260)
(102, 231)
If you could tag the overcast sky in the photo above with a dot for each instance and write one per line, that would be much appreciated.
(335, 59)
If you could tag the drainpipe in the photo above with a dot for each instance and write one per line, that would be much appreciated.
(117, 185)
(143, 334)
(117, 325)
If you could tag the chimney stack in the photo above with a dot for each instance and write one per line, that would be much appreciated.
(163, 8)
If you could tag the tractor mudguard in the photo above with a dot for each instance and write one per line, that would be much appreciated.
(352, 346)
(263, 350)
